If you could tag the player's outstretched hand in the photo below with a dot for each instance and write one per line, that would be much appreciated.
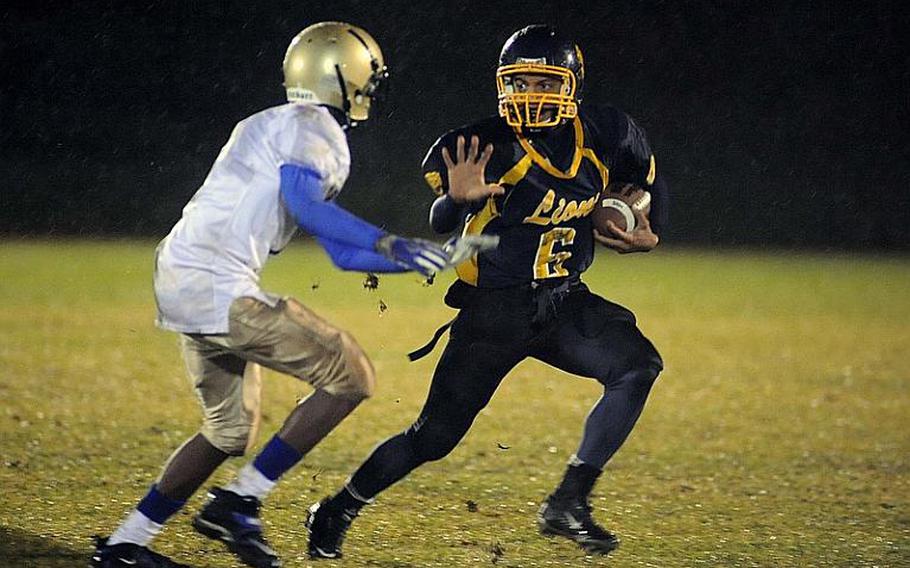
(640, 239)
(425, 257)
(466, 172)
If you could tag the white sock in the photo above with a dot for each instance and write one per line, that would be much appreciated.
(251, 482)
(137, 529)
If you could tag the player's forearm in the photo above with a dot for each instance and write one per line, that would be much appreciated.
(347, 257)
(302, 193)
(445, 214)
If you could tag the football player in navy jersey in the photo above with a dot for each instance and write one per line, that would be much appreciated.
(531, 176)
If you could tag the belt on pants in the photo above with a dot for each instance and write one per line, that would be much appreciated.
(546, 298)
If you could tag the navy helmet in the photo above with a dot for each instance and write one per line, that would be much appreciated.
(539, 50)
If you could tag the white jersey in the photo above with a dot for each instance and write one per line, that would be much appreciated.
(217, 250)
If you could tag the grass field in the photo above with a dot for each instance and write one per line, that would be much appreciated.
(777, 435)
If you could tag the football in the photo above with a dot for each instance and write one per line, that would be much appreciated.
(617, 203)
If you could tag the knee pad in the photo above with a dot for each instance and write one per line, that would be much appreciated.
(651, 361)
(644, 364)
(347, 371)
(230, 440)
(361, 376)
(231, 422)
(639, 373)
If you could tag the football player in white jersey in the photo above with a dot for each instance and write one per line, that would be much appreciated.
(280, 170)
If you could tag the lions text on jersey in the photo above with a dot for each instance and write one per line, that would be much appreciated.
(552, 181)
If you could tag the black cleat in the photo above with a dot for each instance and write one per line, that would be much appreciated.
(128, 555)
(327, 526)
(234, 520)
(572, 519)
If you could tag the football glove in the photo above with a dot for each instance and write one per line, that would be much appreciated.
(460, 249)
(425, 257)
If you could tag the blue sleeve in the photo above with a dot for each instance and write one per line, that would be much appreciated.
(347, 257)
(301, 190)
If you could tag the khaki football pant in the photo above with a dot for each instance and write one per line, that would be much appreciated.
(289, 338)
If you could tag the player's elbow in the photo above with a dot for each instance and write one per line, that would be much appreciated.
(444, 215)
(340, 257)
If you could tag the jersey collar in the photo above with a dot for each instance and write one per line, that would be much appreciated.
(544, 163)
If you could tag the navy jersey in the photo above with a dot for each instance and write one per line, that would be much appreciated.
(552, 181)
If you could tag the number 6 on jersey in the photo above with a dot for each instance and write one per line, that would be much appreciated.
(549, 264)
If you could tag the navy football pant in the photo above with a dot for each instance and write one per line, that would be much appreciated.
(578, 332)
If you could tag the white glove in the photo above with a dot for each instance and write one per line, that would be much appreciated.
(460, 249)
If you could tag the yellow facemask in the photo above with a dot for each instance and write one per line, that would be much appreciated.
(528, 110)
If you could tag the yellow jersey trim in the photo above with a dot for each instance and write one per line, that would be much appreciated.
(545, 164)
(468, 270)
(434, 180)
(518, 171)
(601, 168)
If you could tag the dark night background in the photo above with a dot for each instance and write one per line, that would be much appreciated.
(781, 123)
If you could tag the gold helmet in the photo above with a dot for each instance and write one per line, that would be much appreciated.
(335, 64)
